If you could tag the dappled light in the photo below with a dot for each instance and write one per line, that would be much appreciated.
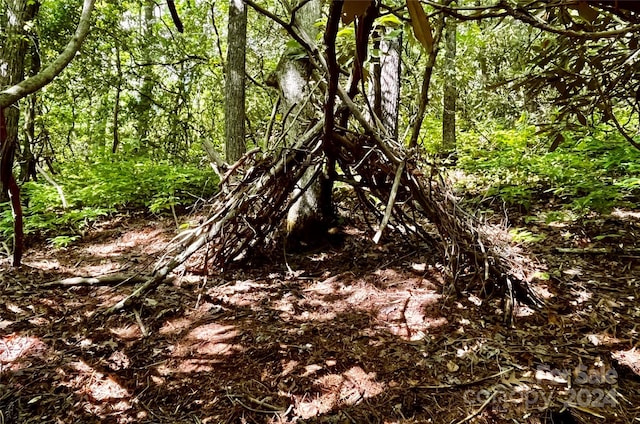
(317, 338)
(283, 212)
(348, 388)
(15, 351)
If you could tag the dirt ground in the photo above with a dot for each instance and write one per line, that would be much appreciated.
(352, 333)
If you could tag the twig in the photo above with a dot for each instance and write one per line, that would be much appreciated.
(390, 203)
(115, 279)
(404, 314)
(466, 384)
(274, 409)
(143, 329)
(479, 410)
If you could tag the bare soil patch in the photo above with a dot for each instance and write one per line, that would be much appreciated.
(352, 333)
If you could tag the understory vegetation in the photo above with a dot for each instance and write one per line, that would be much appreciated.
(594, 171)
(306, 211)
(88, 191)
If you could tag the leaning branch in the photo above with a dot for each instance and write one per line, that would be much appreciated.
(527, 18)
(36, 82)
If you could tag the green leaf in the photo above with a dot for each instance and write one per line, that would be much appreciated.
(586, 12)
(389, 20)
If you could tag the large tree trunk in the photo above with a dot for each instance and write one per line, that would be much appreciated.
(28, 160)
(116, 105)
(20, 90)
(309, 217)
(234, 105)
(386, 84)
(13, 51)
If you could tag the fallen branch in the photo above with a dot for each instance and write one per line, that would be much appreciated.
(106, 280)
(390, 203)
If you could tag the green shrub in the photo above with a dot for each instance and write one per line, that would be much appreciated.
(593, 172)
(93, 190)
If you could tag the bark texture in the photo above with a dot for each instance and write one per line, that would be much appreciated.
(234, 112)
(36, 82)
(309, 216)
(13, 51)
(390, 50)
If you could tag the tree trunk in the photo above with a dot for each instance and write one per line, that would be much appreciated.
(22, 89)
(116, 105)
(234, 105)
(309, 217)
(146, 90)
(450, 90)
(28, 160)
(13, 51)
(386, 84)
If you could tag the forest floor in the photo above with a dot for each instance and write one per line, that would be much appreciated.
(355, 333)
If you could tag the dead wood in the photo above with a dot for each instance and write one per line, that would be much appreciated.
(245, 214)
(254, 198)
(481, 257)
(249, 214)
(108, 280)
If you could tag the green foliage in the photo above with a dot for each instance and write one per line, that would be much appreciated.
(522, 235)
(596, 171)
(60, 242)
(96, 189)
(136, 183)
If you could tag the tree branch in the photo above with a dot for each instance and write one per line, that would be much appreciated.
(36, 82)
(524, 16)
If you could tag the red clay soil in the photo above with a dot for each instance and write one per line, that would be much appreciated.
(356, 333)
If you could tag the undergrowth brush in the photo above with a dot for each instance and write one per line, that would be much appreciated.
(591, 172)
(94, 190)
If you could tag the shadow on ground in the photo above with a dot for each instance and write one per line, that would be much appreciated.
(355, 334)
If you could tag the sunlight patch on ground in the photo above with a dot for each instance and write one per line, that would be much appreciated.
(145, 240)
(202, 348)
(349, 388)
(175, 326)
(398, 301)
(98, 385)
(128, 332)
(580, 296)
(14, 349)
(629, 358)
(626, 215)
(603, 339)
(573, 272)
(44, 264)
(95, 386)
(246, 293)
